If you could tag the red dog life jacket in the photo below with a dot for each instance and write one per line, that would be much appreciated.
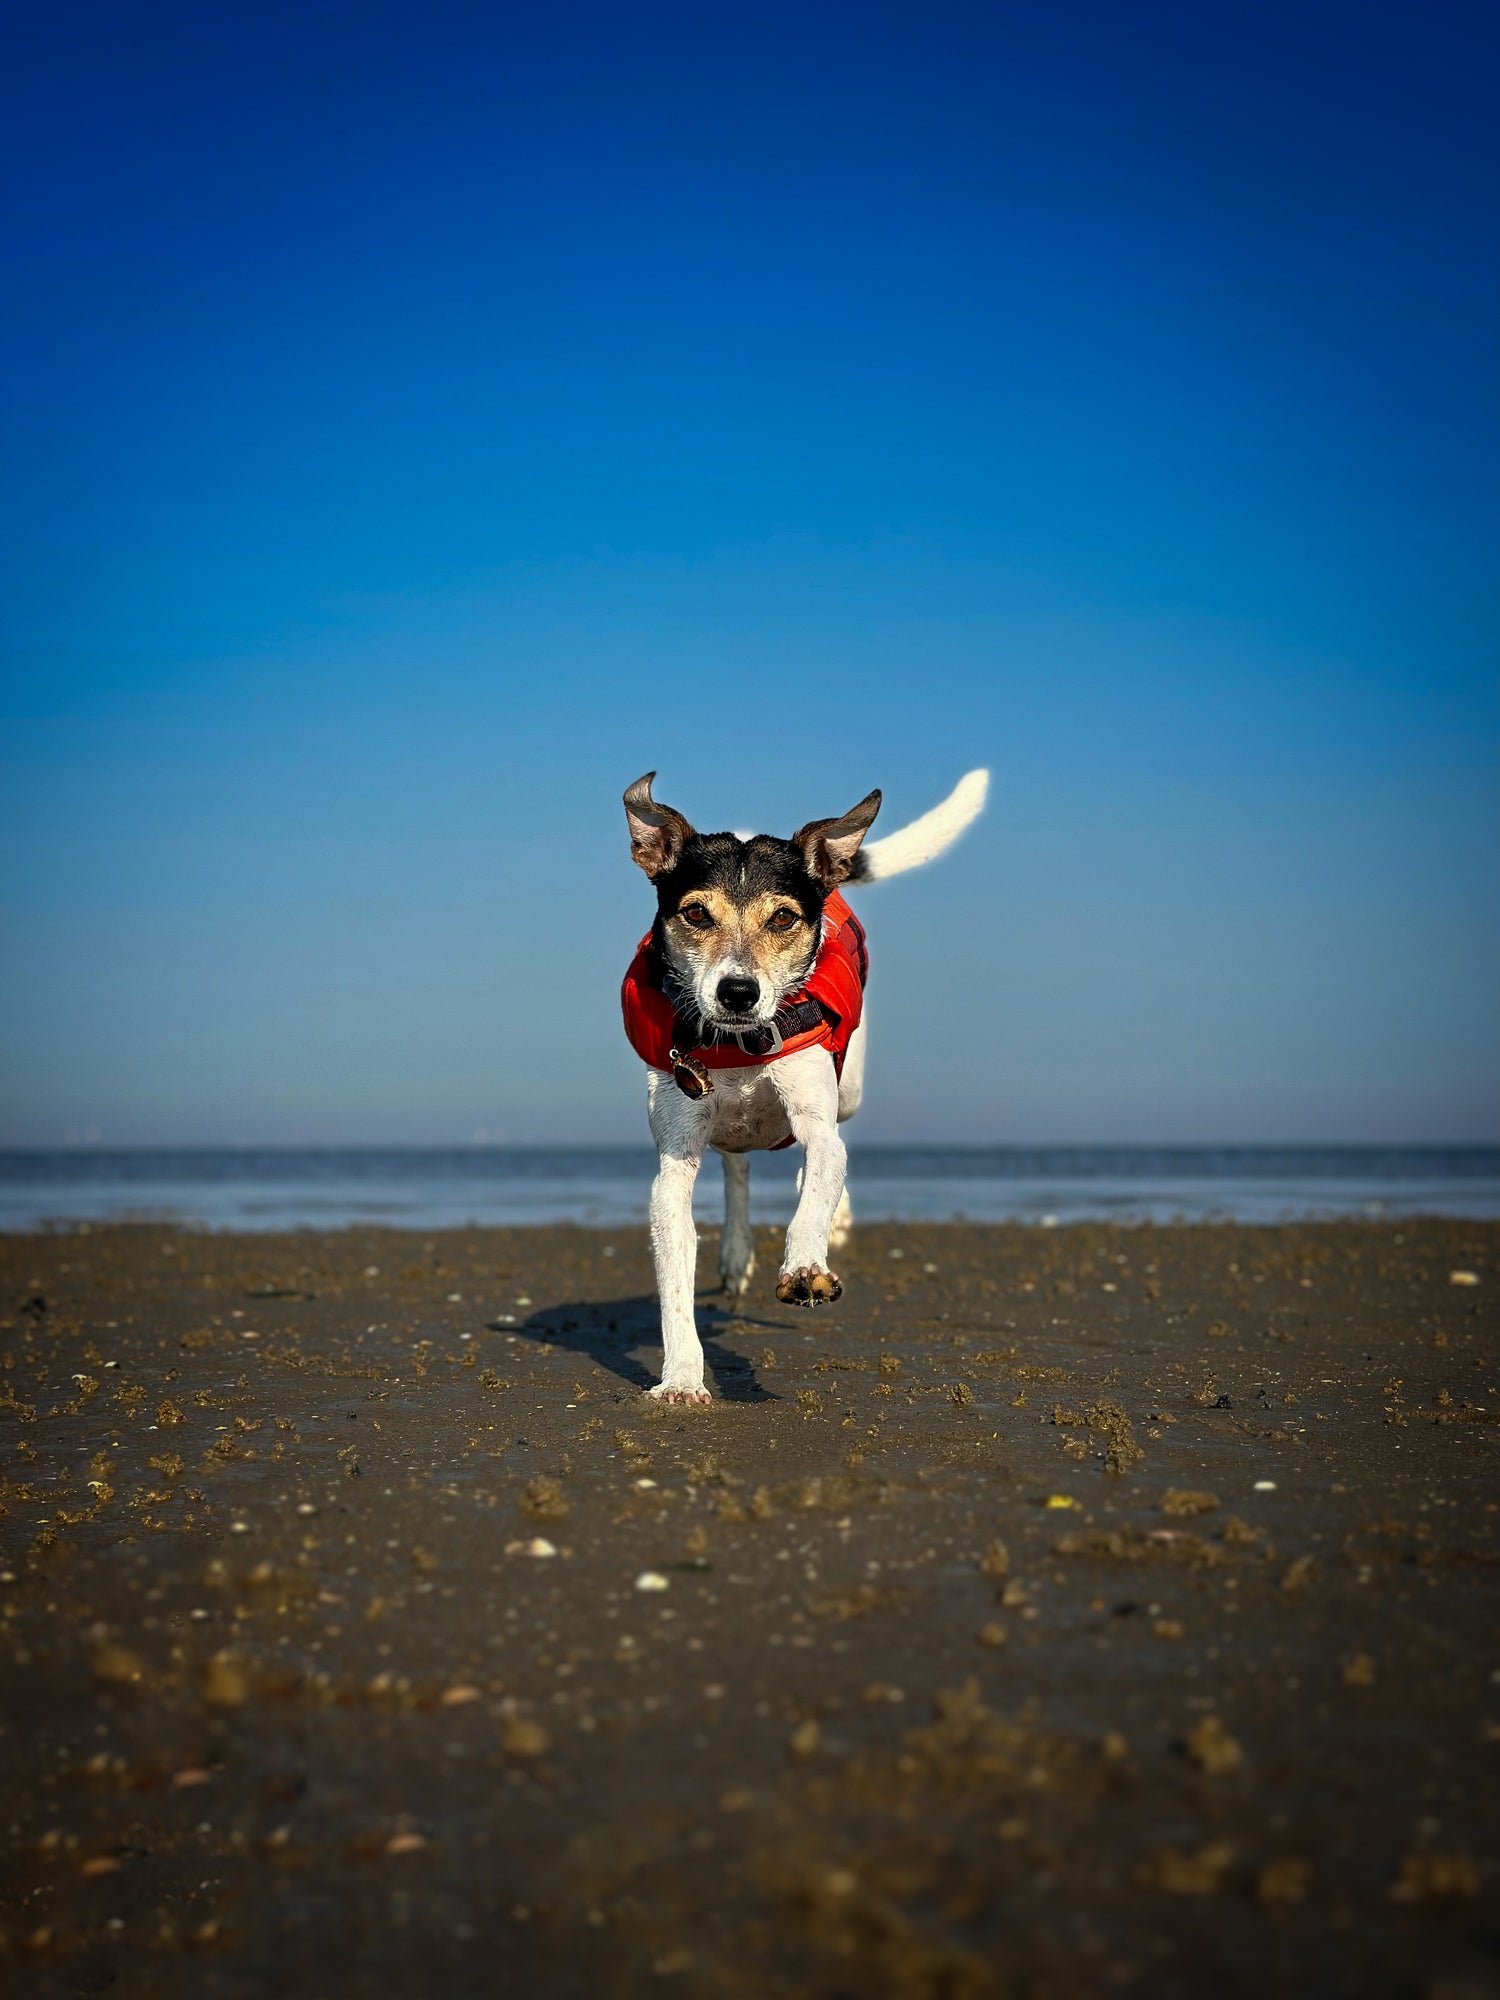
(823, 1012)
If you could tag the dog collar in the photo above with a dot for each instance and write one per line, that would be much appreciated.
(765, 1040)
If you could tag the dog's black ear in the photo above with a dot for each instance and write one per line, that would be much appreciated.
(830, 845)
(657, 833)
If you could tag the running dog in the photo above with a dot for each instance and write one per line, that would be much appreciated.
(746, 1001)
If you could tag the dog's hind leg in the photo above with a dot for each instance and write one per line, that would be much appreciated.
(851, 1090)
(852, 1077)
(842, 1225)
(737, 1243)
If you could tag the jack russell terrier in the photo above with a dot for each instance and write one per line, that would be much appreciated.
(746, 1001)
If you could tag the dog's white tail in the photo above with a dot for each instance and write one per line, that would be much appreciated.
(925, 838)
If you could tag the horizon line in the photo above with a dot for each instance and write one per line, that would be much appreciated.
(89, 1148)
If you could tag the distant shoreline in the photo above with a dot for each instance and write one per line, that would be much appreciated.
(1020, 1149)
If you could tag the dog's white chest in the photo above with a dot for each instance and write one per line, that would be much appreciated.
(748, 1113)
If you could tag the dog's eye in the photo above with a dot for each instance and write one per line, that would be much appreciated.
(782, 921)
(697, 916)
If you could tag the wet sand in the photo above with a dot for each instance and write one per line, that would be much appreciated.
(1063, 1613)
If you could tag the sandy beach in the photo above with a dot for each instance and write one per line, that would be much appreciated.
(1066, 1612)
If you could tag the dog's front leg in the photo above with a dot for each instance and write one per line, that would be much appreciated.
(808, 1088)
(680, 1129)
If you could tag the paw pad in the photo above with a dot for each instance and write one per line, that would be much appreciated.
(808, 1286)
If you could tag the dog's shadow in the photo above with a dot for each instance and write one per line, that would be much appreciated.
(606, 1330)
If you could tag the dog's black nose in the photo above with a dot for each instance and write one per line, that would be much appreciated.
(738, 996)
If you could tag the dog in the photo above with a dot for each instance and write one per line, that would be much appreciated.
(746, 1001)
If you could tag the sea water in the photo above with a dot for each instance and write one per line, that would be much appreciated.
(440, 1187)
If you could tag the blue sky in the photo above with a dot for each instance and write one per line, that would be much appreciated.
(419, 422)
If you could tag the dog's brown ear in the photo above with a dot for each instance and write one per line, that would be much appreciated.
(830, 845)
(657, 833)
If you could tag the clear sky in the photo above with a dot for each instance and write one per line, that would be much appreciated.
(419, 420)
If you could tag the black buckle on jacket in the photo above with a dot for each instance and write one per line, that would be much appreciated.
(767, 1040)
(763, 1040)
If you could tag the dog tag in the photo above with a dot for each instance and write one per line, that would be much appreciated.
(690, 1076)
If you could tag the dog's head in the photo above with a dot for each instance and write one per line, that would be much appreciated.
(738, 922)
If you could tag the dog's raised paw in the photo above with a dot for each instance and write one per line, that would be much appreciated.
(808, 1286)
(663, 1394)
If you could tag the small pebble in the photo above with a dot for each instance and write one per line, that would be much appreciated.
(524, 1737)
(1211, 1747)
(805, 1738)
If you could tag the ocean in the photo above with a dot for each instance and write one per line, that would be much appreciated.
(441, 1187)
